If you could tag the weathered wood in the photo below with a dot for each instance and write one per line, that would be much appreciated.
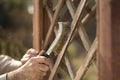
(67, 60)
(108, 23)
(90, 15)
(84, 37)
(71, 7)
(37, 24)
(55, 18)
(70, 67)
(48, 4)
(67, 16)
(73, 26)
(87, 61)
(81, 31)
(50, 13)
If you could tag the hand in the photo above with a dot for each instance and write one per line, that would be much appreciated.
(30, 53)
(36, 68)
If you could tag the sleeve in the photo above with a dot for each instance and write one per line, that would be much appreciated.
(8, 64)
(3, 77)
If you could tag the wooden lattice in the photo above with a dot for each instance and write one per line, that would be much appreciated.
(78, 13)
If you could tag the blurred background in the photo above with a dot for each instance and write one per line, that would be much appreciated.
(15, 27)
(16, 33)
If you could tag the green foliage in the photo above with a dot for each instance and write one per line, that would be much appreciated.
(17, 4)
(14, 50)
(15, 28)
(9, 9)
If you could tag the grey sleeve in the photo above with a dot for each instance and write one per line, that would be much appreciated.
(3, 77)
(8, 64)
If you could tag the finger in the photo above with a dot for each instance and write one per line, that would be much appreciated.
(32, 52)
(43, 67)
(25, 58)
(42, 75)
(41, 60)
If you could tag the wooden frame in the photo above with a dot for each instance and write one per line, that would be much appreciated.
(77, 26)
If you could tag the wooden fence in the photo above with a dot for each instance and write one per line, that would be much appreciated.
(80, 14)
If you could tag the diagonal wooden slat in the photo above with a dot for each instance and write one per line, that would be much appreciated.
(89, 15)
(81, 31)
(71, 7)
(84, 37)
(73, 26)
(49, 12)
(69, 65)
(86, 62)
(67, 60)
(54, 20)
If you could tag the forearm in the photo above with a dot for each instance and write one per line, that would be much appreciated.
(3, 77)
(8, 64)
(15, 75)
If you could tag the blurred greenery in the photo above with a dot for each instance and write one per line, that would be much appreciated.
(15, 28)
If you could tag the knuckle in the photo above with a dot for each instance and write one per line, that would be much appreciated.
(31, 50)
(44, 73)
(32, 59)
(44, 59)
(46, 68)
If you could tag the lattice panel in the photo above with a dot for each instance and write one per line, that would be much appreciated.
(79, 14)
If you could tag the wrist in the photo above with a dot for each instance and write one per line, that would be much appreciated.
(14, 75)
(3, 77)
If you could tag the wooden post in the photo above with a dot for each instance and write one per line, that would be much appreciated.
(108, 21)
(38, 24)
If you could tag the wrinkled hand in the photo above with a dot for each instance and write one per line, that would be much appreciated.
(36, 68)
(29, 53)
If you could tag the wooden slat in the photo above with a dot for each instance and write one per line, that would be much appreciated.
(87, 17)
(81, 31)
(71, 7)
(86, 62)
(73, 26)
(55, 18)
(37, 24)
(67, 60)
(67, 16)
(84, 37)
(49, 12)
(90, 15)
(69, 65)
(46, 20)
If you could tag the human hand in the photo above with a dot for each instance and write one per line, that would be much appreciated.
(29, 53)
(36, 68)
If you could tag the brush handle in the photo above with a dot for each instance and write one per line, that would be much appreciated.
(46, 55)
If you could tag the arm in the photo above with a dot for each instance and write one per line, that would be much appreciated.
(8, 64)
(34, 69)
